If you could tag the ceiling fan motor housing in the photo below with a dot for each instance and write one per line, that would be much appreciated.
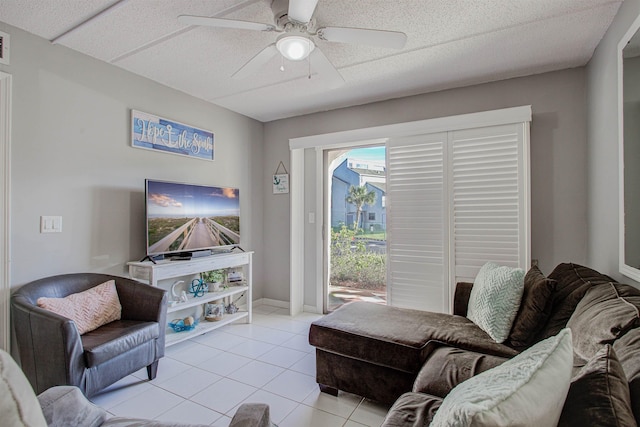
(280, 9)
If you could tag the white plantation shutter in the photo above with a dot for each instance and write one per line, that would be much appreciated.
(416, 241)
(456, 200)
(488, 199)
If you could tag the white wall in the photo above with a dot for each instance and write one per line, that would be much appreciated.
(71, 156)
(558, 161)
(602, 119)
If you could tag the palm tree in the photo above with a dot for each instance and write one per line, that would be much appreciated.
(359, 196)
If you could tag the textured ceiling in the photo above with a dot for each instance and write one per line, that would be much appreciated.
(450, 43)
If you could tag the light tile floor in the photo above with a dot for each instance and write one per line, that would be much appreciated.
(205, 379)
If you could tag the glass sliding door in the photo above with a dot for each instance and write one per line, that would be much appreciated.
(356, 194)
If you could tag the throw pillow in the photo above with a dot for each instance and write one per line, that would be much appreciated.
(89, 309)
(599, 394)
(528, 390)
(573, 283)
(600, 318)
(495, 299)
(535, 308)
(18, 403)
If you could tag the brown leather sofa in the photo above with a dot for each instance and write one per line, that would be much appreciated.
(413, 359)
(53, 353)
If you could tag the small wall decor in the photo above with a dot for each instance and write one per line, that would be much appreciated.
(155, 133)
(281, 180)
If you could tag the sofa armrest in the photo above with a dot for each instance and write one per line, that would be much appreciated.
(447, 367)
(412, 410)
(67, 406)
(461, 298)
(39, 330)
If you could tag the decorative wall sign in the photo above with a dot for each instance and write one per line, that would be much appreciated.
(155, 133)
(281, 180)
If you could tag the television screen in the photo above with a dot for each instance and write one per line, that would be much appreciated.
(184, 218)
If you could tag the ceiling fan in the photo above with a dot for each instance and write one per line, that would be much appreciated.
(294, 20)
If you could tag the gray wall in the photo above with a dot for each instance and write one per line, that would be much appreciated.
(71, 156)
(558, 162)
(603, 169)
(631, 96)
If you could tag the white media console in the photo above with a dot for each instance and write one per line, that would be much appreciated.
(156, 274)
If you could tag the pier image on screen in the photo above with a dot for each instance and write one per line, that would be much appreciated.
(187, 218)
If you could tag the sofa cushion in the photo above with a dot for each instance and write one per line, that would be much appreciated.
(446, 367)
(89, 309)
(573, 283)
(627, 349)
(535, 308)
(599, 394)
(495, 299)
(116, 338)
(18, 403)
(529, 389)
(397, 337)
(600, 318)
(412, 410)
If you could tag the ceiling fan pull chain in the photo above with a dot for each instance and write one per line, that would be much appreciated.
(282, 63)
(309, 59)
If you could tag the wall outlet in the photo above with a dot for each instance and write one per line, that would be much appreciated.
(50, 224)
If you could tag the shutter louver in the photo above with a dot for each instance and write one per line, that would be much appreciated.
(416, 224)
(456, 200)
(485, 198)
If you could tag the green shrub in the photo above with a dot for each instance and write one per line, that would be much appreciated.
(352, 262)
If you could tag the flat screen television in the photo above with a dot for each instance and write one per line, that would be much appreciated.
(188, 218)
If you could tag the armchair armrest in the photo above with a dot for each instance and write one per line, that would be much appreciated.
(140, 301)
(251, 415)
(461, 298)
(52, 334)
(144, 302)
(67, 406)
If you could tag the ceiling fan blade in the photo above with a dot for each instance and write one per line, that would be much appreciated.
(256, 63)
(224, 23)
(379, 38)
(321, 64)
(302, 10)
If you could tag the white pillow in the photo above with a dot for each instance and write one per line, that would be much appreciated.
(495, 299)
(18, 403)
(528, 390)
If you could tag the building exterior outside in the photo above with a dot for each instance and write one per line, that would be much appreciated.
(355, 172)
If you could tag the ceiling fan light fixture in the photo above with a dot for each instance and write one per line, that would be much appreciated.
(295, 48)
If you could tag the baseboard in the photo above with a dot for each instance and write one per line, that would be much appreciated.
(311, 309)
(272, 302)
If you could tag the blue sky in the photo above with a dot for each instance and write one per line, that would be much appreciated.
(168, 199)
(368, 153)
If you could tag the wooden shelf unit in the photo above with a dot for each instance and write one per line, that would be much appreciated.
(152, 274)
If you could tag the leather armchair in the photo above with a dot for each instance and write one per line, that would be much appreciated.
(52, 352)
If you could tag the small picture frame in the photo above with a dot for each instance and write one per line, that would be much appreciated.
(281, 183)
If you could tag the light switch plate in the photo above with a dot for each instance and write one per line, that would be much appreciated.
(50, 224)
(4, 48)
